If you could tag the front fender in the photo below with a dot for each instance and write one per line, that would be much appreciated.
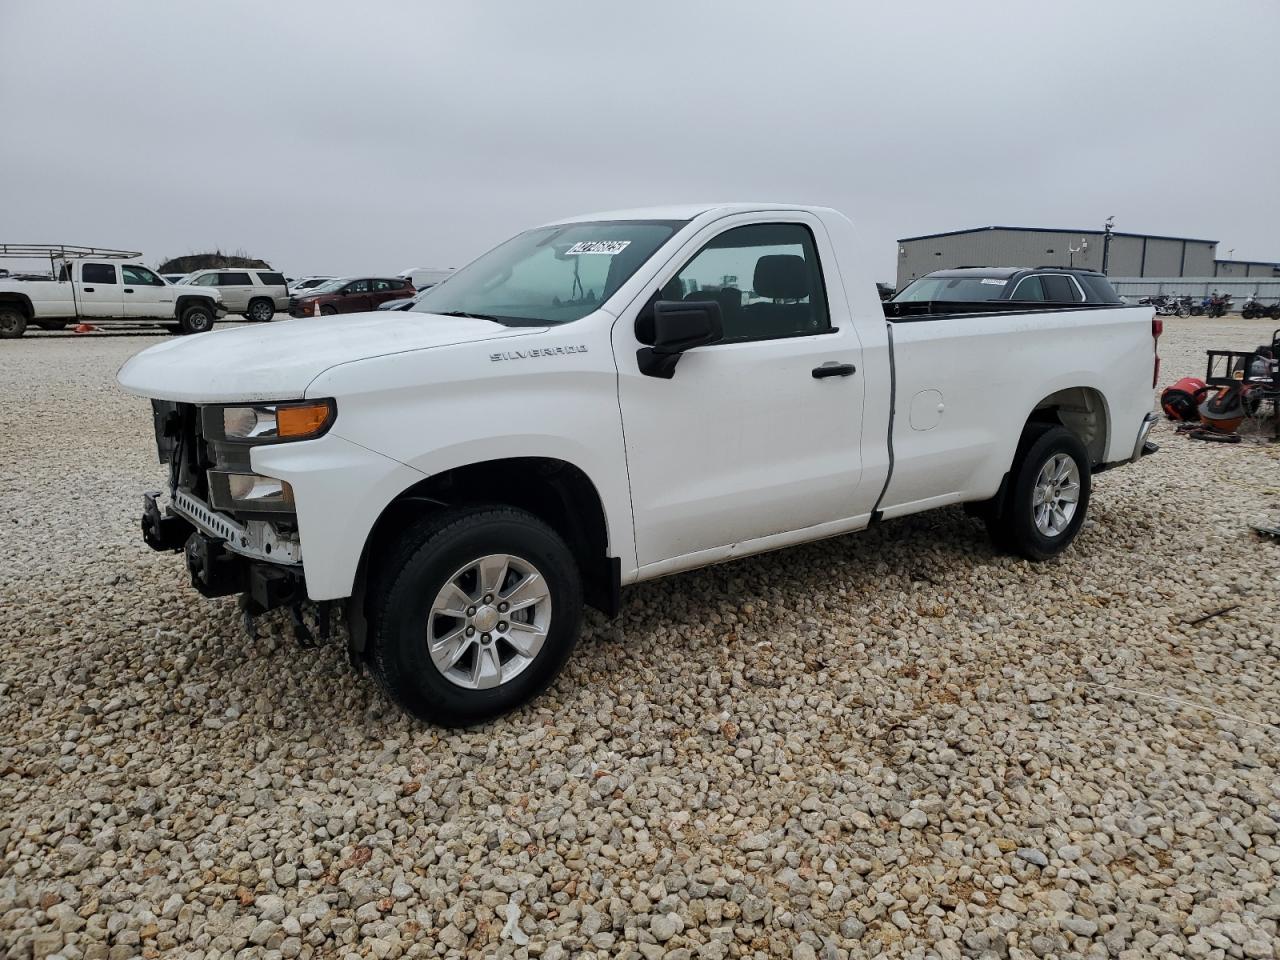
(340, 489)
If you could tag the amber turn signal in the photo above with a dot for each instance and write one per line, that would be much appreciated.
(298, 420)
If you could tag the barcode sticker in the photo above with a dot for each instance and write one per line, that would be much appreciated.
(609, 247)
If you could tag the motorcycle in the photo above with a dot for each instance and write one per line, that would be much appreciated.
(1253, 308)
(1167, 306)
(1218, 304)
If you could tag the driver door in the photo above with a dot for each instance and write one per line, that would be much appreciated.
(355, 297)
(144, 294)
(745, 442)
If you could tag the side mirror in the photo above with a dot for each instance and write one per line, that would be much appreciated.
(678, 326)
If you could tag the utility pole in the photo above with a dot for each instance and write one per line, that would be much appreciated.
(1106, 243)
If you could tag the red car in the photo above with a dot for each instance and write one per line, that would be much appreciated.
(350, 295)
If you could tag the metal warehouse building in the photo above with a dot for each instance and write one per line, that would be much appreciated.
(1132, 254)
(1245, 268)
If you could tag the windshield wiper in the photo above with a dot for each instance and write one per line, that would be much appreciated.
(505, 321)
(470, 316)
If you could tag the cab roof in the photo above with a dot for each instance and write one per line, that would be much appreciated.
(684, 211)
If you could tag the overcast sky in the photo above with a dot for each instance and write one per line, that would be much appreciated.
(342, 137)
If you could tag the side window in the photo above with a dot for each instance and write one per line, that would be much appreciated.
(380, 286)
(358, 286)
(140, 276)
(98, 273)
(272, 279)
(1059, 289)
(206, 280)
(234, 280)
(766, 279)
(1028, 288)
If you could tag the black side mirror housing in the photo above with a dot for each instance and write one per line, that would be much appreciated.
(679, 325)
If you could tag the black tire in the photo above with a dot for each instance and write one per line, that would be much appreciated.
(327, 311)
(1197, 311)
(261, 310)
(431, 555)
(51, 324)
(1012, 524)
(1274, 312)
(196, 318)
(13, 322)
(1247, 314)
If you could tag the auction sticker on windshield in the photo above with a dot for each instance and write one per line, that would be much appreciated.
(994, 283)
(597, 246)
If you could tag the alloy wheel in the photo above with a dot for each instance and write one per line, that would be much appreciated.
(489, 621)
(1057, 492)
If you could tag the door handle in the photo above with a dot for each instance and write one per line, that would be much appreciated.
(87, 289)
(834, 370)
(128, 290)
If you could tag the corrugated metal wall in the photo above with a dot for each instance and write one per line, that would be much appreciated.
(1130, 256)
(1133, 288)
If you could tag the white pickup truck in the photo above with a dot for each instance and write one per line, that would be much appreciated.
(605, 400)
(99, 285)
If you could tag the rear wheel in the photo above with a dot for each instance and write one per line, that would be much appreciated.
(13, 323)
(196, 319)
(261, 310)
(475, 613)
(1047, 497)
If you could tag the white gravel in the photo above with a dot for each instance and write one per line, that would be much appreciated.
(893, 744)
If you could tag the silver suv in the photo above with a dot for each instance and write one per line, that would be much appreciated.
(254, 294)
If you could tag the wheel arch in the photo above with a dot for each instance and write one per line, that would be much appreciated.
(19, 300)
(194, 300)
(556, 491)
(1081, 409)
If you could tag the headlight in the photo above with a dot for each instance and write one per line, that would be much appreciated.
(270, 422)
(249, 493)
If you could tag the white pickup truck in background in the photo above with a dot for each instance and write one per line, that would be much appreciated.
(605, 400)
(99, 285)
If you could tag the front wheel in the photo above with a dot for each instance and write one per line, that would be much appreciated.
(1048, 496)
(196, 319)
(13, 323)
(261, 311)
(327, 311)
(1197, 311)
(474, 614)
(1182, 310)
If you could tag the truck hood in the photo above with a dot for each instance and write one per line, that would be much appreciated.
(276, 361)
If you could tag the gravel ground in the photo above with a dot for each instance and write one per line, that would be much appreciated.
(894, 744)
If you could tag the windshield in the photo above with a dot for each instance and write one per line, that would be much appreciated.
(550, 275)
(329, 286)
(952, 288)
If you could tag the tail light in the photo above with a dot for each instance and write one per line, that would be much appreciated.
(1157, 328)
